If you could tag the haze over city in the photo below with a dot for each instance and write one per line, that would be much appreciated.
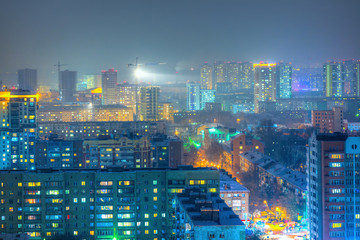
(90, 36)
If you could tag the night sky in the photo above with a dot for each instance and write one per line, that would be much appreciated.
(91, 36)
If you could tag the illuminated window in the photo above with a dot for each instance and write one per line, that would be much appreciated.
(92, 233)
(146, 215)
(11, 209)
(76, 233)
(155, 215)
(83, 200)
(146, 224)
(75, 200)
(154, 199)
(83, 183)
(155, 190)
(155, 231)
(336, 225)
(19, 184)
(155, 182)
(212, 189)
(191, 182)
(146, 231)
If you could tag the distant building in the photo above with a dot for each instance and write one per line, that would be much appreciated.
(328, 121)
(101, 204)
(264, 84)
(283, 80)
(246, 79)
(27, 79)
(166, 111)
(206, 76)
(333, 166)
(18, 129)
(126, 95)
(67, 85)
(109, 81)
(126, 151)
(219, 72)
(89, 81)
(235, 196)
(58, 153)
(342, 79)
(233, 74)
(92, 130)
(149, 103)
(202, 215)
(85, 113)
(206, 96)
(193, 96)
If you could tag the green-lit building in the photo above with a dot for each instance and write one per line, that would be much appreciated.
(97, 204)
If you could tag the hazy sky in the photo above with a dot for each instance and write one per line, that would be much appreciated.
(93, 35)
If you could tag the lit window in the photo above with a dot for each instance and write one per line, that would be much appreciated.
(336, 225)
(146, 215)
(146, 231)
(83, 200)
(146, 224)
(83, 183)
(75, 200)
(155, 199)
(155, 190)
(76, 233)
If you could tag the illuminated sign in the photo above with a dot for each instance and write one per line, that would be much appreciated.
(337, 156)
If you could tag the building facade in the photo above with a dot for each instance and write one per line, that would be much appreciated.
(67, 86)
(206, 76)
(264, 84)
(18, 129)
(27, 79)
(149, 103)
(283, 80)
(193, 96)
(328, 121)
(94, 204)
(333, 183)
(109, 82)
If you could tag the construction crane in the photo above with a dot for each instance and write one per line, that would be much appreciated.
(136, 66)
(58, 65)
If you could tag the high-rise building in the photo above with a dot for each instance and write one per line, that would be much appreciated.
(98, 204)
(166, 151)
(206, 76)
(233, 74)
(18, 129)
(264, 84)
(67, 85)
(28, 79)
(193, 96)
(341, 79)
(149, 103)
(219, 72)
(246, 75)
(333, 186)
(127, 95)
(283, 80)
(109, 81)
(206, 96)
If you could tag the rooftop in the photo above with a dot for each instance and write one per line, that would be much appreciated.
(228, 184)
(276, 169)
(207, 209)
